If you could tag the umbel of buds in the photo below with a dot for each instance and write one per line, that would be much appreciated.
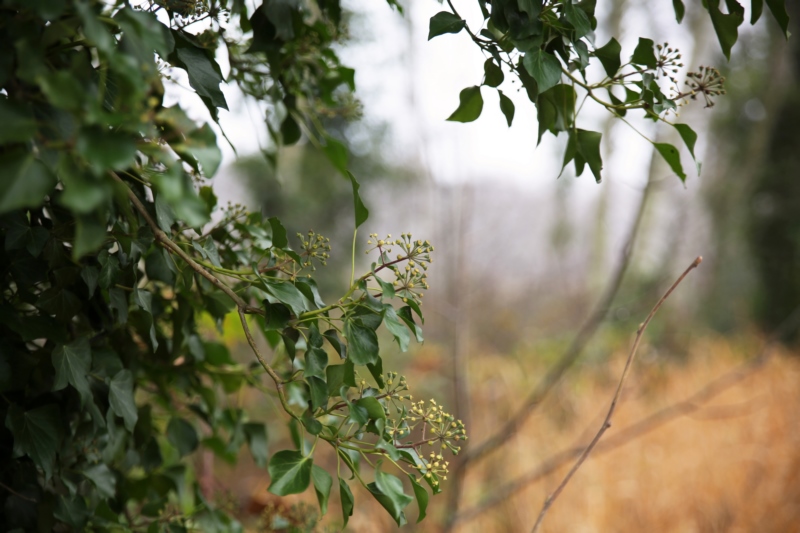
(708, 82)
(315, 248)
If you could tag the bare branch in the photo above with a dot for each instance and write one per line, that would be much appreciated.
(614, 401)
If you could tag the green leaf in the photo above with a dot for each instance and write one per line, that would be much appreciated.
(279, 239)
(445, 22)
(544, 67)
(405, 315)
(373, 407)
(37, 434)
(609, 56)
(319, 392)
(493, 74)
(556, 109)
(105, 148)
(470, 106)
(290, 472)
(288, 294)
(182, 435)
(322, 486)
(120, 396)
(388, 490)
(507, 107)
(316, 361)
(689, 138)
(25, 182)
(103, 479)
(396, 327)
(18, 122)
(387, 289)
(361, 211)
(72, 511)
(199, 147)
(589, 148)
(338, 376)
(333, 338)
(362, 343)
(680, 10)
(348, 502)
(337, 154)
(94, 30)
(72, 362)
(778, 8)
(63, 90)
(726, 25)
(256, 436)
(422, 497)
(578, 18)
(643, 54)
(672, 157)
(90, 234)
(204, 75)
(276, 316)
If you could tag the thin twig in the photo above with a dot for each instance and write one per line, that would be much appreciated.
(652, 422)
(607, 422)
(17, 494)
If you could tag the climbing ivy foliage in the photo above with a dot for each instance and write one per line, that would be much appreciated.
(549, 47)
(113, 248)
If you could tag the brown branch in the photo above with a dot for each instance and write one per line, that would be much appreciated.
(17, 494)
(643, 427)
(614, 401)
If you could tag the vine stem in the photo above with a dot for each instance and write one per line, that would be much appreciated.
(615, 399)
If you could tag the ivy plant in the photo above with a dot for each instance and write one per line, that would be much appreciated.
(110, 257)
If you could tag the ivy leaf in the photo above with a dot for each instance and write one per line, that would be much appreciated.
(199, 147)
(340, 375)
(25, 182)
(609, 56)
(290, 472)
(578, 18)
(144, 299)
(103, 148)
(72, 363)
(680, 11)
(362, 343)
(256, 435)
(316, 361)
(388, 490)
(727, 26)
(348, 502)
(444, 22)
(336, 153)
(672, 157)
(470, 106)
(507, 107)
(102, 478)
(319, 392)
(544, 67)
(204, 73)
(288, 294)
(17, 120)
(182, 435)
(589, 148)
(556, 109)
(492, 74)
(333, 338)
(120, 396)
(361, 211)
(37, 434)
(72, 511)
(322, 486)
(643, 53)
(689, 138)
(373, 407)
(778, 8)
(422, 497)
(396, 327)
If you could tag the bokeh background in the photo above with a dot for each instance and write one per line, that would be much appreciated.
(707, 438)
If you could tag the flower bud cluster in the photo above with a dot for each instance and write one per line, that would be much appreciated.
(708, 82)
(315, 247)
(668, 61)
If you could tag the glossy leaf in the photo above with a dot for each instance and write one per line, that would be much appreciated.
(643, 54)
(322, 487)
(362, 343)
(680, 10)
(120, 396)
(361, 211)
(444, 22)
(544, 67)
(290, 473)
(182, 435)
(726, 25)
(689, 138)
(72, 363)
(778, 9)
(507, 107)
(469, 107)
(256, 435)
(388, 490)
(347, 499)
(492, 74)
(396, 327)
(672, 157)
(609, 56)
(422, 497)
(25, 182)
(37, 434)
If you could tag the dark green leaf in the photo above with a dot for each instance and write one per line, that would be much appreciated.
(322, 486)
(336, 342)
(319, 392)
(103, 479)
(680, 10)
(444, 22)
(105, 148)
(387, 289)
(689, 138)
(72, 363)
(726, 25)
(422, 497)
(276, 316)
(609, 56)
(204, 76)
(778, 8)
(182, 435)
(316, 361)
(405, 315)
(256, 435)
(312, 425)
(578, 18)
(25, 182)
(90, 234)
(200, 147)
(120, 396)
(340, 375)
(470, 106)
(396, 327)
(672, 157)
(336, 152)
(493, 74)
(507, 107)
(286, 293)
(643, 54)
(544, 67)
(63, 89)
(37, 434)
(362, 343)
(556, 109)
(72, 510)
(373, 407)
(279, 239)
(589, 149)
(18, 122)
(290, 472)
(388, 490)
(361, 211)
(347, 501)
